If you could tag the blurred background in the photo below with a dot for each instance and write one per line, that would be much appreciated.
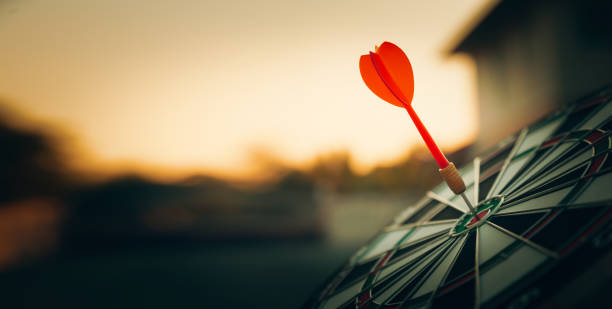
(227, 154)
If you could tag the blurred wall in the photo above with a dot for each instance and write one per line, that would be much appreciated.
(533, 57)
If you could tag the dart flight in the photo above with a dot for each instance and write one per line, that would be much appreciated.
(388, 73)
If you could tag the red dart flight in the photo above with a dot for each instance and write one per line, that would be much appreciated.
(388, 73)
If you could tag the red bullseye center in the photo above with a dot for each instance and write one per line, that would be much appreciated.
(484, 210)
(479, 216)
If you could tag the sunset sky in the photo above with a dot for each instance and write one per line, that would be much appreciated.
(201, 85)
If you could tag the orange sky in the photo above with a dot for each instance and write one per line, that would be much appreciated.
(199, 85)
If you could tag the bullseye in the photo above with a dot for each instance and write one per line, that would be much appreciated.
(480, 215)
(484, 210)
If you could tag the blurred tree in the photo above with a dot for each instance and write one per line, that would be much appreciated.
(31, 163)
(334, 172)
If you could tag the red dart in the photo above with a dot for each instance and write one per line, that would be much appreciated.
(388, 73)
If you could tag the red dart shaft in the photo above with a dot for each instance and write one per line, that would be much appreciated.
(397, 93)
(431, 144)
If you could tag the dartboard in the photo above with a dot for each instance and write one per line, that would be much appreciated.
(543, 201)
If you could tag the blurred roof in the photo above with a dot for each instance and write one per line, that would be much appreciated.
(481, 24)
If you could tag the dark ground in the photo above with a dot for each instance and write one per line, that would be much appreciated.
(267, 275)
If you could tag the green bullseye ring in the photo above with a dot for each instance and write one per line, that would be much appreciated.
(484, 210)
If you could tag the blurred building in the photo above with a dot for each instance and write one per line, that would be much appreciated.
(532, 56)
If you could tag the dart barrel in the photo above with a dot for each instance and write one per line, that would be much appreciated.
(451, 176)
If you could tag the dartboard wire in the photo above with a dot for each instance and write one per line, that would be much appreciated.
(461, 243)
(567, 201)
(595, 224)
(325, 298)
(437, 255)
(540, 181)
(433, 212)
(499, 147)
(602, 203)
(558, 117)
(417, 224)
(373, 276)
(451, 245)
(330, 289)
(340, 278)
(560, 141)
(562, 137)
(532, 164)
(525, 240)
(593, 113)
(549, 168)
(378, 239)
(364, 250)
(553, 214)
(537, 192)
(516, 147)
(591, 99)
(582, 165)
(586, 164)
(477, 272)
(442, 200)
(405, 269)
(586, 179)
(580, 106)
(441, 236)
(514, 184)
(409, 212)
(476, 179)
(333, 284)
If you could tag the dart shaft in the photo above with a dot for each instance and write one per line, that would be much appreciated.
(429, 141)
(467, 202)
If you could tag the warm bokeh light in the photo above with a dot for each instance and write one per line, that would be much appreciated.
(197, 85)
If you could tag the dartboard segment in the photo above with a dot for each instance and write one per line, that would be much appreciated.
(404, 285)
(518, 263)
(519, 223)
(525, 149)
(555, 152)
(434, 281)
(535, 157)
(406, 255)
(583, 153)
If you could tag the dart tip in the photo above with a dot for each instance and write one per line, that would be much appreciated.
(469, 205)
